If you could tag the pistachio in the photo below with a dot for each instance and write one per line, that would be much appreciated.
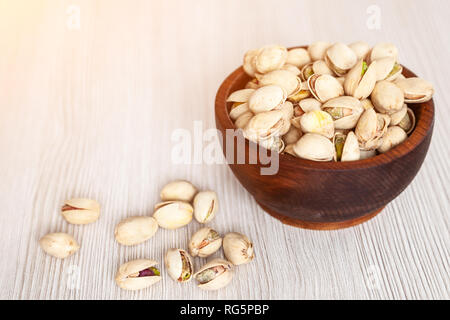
(315, 147)
(137, 274)
(252, 84)
(325, 87)
(340, 58)
(301, 94)
(238, 249)
(366, 104)
(205, 206)
(317, 50)
(393, 137)
(298, 57)
(360, 48)
(205, 242)
(361, 80)
(178, 190)
(292, 135)
(366, 154)
(173, 214)
(243, 119)
(318, 67)
(370, 129)
(267, 98)
(59, 245)
(398, 116)
(214, 275)
(345, 111)
(238, 109)
(387, 97)
(270, 58)
(179, 265)
(264, 125)
(309, 104)
(388, 69)
(81, 211)
(135, 230)
(408, 122)
(317, 121)
(350, 151)
(249, 62)
(415, 90)
(383, 50)
(291, 68)
(241, 95)
(283, 79)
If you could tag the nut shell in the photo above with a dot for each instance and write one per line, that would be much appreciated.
(178, 190)
(135, 230)
(126, 275)
(206, 205)
(173, 214)
(174, 264)
(197, 247)
(59, 245)
(220, 281)
(81, 211)
(238, 249)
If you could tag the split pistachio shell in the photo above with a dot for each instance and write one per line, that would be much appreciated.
(393, 137)
(59, 245)
(179, 265)
(370, 129)
(243, 119)
(267, 98)
(135, 230)
(361, 80)
(137, 274)
(292, 136)
(315, 147)
(81, 211)
(360, 48)
(310, 104)
(366, 154)
(319, 122)
(338, 142)
(240, 95)
(270, 58)
(238, 109)
(298, 57)
(238, 249)
(173, 214)
(387, 97)
(205, 242)
(178, 190)
(366, 104)
(415, 90)
(408, 122)
(398, 116)
(283, 79)
(383, 50)
(249, 62)
(350, 151)
(318, 67)
(205, 206)
(264, 125)
(214, 275)
(340, 58)
(388, 69)
(325, 87)
(317, 50)
(291, 68)
(301, 94)
(345, 111)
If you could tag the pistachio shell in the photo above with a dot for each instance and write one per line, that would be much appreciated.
(267, 98)
(310, 104)
(388, 69)
(302, 93)
(366, 104)
(243, 120)
(238, 110)
(238, 249)
(317, 122)
(360, 83)
(318, 67)
(283, 79)
(178, 190)
(135, 230)
(415, 90)
(132, 276)
(370, 129)
(351, 152)
(240, 95)
(59, 245)
(408, 122)
(220, 272)
(340, 58)
(274, 143)
(81, 211)
(264, 125)
(298, 57)
(173, 214)
(270, 58)
(315, 147)
(325, 87)
(393, 137)
(398, 116)
(205, 242)
(387, 97)
(383, 50)
(291, 68)
(345, 111)
(249, 62)
(317, 50)
(366, 154)
(252, 84)
(179, 265)
(206, 205)
(360, 48)
(292, 136)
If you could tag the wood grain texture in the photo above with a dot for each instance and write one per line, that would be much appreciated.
(90, 112)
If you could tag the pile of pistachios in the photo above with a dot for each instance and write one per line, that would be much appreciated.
(181, 201)
(327, 102)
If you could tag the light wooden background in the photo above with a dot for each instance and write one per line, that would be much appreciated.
(89, 112)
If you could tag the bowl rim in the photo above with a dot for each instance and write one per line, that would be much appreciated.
(423, 127)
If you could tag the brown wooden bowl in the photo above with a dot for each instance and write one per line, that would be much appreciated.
(328, 195)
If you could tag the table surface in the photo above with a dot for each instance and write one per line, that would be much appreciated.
(88, 109)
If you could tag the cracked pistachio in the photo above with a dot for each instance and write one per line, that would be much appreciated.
(264, 125)
(214, 275)
(408, 122)
(59, 245)
(238, 249)
(178, 190)
(317, 121)
(393, 137)
(298, 57)
(270, 58)
(340, 58)
(387, 69)
(291, 68)
(360, 48)
(243, 119)
(173, 214)
(137, 274)
(249, 62)
(283, 79)
(398, 116)
(345, 111)
(312, 146)
(267, 98)
(383, 50)
(347, 147)
(135, 230)
(318, 67)
(317, 50)
(370, 129)
(205, 242)
(387, 97)
(415, 90)
(238, 109)
(206, 205)
(81, 211)
(240, 95)
(325, 87)
(361, 80)
(179, 265)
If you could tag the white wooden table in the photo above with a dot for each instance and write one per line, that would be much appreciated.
(88, 109)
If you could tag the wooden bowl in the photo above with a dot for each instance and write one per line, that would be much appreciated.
(328, 195)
